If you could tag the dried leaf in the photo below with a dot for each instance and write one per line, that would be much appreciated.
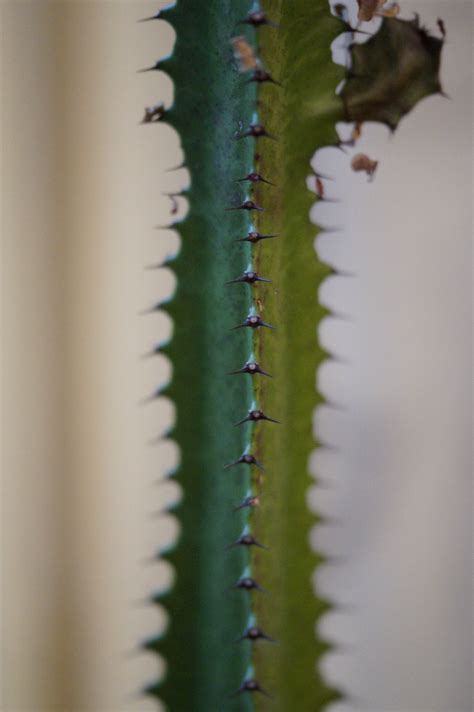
(244, 53)
(319, 186)
(174, 202)
(361, 162)
(356, 132)
(391, 72)
(368, 8)
(393, 10)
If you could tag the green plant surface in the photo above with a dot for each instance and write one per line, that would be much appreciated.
(299, 109)
(204, 664)
(303, 116)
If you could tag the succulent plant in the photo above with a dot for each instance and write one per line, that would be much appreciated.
(255, 88)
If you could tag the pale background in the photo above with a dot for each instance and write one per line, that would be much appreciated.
(81, 189)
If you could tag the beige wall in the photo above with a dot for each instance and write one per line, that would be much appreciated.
(33, 329)
(81, 187)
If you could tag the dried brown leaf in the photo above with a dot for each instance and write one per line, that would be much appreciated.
(362, 162)
(356, 132)
(393, 10)
(368, 8)
(319, 187)
(244, 53)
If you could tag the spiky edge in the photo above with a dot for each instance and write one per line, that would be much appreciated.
(204, 664)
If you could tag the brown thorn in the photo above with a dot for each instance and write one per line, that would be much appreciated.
(251, 685)
(254, 237)
(251, 368)
(257, 19)
(248, 278)
(246, 540)
(246, 205)
(153, 17)
(254, 178)
(253, 322)
(250, 501)
(255, 416)
(247, 584)
(253, 633)
(245, 459)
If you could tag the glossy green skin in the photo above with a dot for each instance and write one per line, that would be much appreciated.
(204, 664)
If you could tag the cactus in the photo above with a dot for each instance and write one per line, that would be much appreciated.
(255, 98)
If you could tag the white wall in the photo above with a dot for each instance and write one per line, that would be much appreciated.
(82, 185)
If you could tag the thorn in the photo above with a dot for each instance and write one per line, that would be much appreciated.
(175, 168)
(342, 273)
(175, 194)
(158, 265)
(174, 203)
(153, 17)
(323, 199)
(260, 76)
(255, 415)
(249, 278)
(257, 19)
(329, 447)
(340, 316)
(154, 352)
(151, 398)
(250, 501)
(441, 27)
(254, 178)
(248, 584)
(154, 67)
(246, 540)
(331, 405)
(150, 643)
(257, 131)
(253, 322)
(250, 685)
(144, 602)
(254, 633)
(328, 230)
(252, 368)
(151, 310)
(246, 205)
(254, 237)
(245, 459)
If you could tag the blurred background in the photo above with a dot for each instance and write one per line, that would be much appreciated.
(82, 460)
